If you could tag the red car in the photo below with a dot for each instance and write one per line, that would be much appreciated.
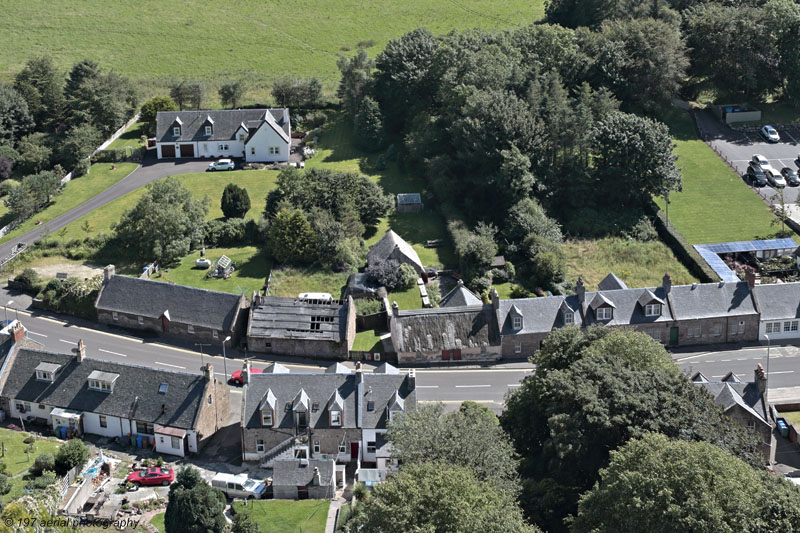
(151, 476)
(236, 377)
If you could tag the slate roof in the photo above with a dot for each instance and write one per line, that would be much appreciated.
(627, 306)
(294, 472)
(320, 388)
(225, 123)
(392, 246)
(745, 395)
(460, 296)
(611, 282)
(291, 318)
(447, 328)
(539, 315)
(709, 300)
(186, 305)
(778, 300)
(135, 395)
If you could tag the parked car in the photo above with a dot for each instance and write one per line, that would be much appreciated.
(222, 164)
(791, 177)
(756, 176)
(770, 134)
(236, 377)
(239, 486)
(203, 263)
(151, 476)
(760, 160)
(776, 180)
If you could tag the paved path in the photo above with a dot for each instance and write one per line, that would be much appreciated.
(330, 523)
(150, 170)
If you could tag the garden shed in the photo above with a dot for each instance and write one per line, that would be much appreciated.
(409, 203)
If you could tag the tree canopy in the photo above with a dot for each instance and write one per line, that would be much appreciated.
(194, 506)
(235, 201)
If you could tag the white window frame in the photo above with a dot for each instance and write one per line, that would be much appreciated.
(604, 313)
(41, 375)
(751, 426)
(694, 332)
(190, 329)
(215, 333)
(208, 130)
(338, 420)
(140, 320)
(241, 136)
(517, 347)
(266, 418)
(176, 443)
(517, 322)
(176, 131)
(794, 325)
(316, 446)
(569, 317)
(103, 421)
(371, 446)
(260, 446)
(787, 326)
(652, 310)
(114, 315)
(717, 329)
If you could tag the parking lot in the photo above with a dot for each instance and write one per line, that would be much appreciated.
(738, 149)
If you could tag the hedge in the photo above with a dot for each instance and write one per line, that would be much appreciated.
(684, 251)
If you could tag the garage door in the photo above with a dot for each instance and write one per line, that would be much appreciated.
(187, 150)
(167, 150)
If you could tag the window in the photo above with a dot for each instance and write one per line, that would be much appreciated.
(176, 131)
(260, 446)
(190, 329)
(44, 376)
(266, 418)
(751, 426)
(371, 446)
(271, 150)
(42, 406)
(215, 334)
(315, 406)
(655, 334)
(103, 422)
(102, 386)
(342, 448)
(145, 428)
(162, 389)
(768, 326)
(569, 317)
(652, 310)
(794, 325)
(301, 420)
(773, 327)
(176, 443)
(208, 132)
(20, 407)
(787, 326)
(518, 347)
(252, 150)
(370, 406)
(241, 136)
(336, 418)
(140, 320)
(316, 446)
(604, 313)
(694, 331)
(114, 315)
(717, 329)
(517, 322)
(223, 147)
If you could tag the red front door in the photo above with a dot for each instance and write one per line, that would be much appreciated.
(445, 355)
(354, 450)
(456, 355)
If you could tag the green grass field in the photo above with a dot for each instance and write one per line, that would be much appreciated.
(75, 193)
(283, 516)
(290, 281)
(158, 522)
(715, 204)
(368, 341)
(132, 137)
(250, 274)
(258, 40)
(638, 264)
(16, 458)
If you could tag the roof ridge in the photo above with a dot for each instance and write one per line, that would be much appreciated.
(129, 365)
(169, 284)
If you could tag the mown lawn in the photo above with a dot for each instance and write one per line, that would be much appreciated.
(16, 458)
(250, 274)
(258, 40)
(283, 516)
(715, 204)
(132, 137)
(638, 264)
(368, 341)
(158, 522)
(408, 299)
(77, 191)
(290, 281)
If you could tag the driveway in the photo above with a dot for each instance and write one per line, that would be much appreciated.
(738, 148)
(150, 170)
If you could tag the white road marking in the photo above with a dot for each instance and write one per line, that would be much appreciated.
(783, 372)
(726, 360)
(790, 136)
(514, 385)
(112, 353)
(39, 334)
(68, 342)
(427, 386)
(470, 386)
(173, 366)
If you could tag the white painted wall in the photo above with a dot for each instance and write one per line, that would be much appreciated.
(781, 335)
(192, 440)
(212, 149)
(369, 435)
(91, 424)
(31, 410)
(261, 141)
(164, 445)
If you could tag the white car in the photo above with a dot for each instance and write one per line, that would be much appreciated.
(222, 164)
(760, 160)
(770, 134)
(239, 486)
(776, 180)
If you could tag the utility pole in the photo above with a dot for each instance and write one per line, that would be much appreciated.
(202, 360)
(225, 357)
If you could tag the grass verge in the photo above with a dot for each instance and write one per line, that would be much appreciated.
(368, 341)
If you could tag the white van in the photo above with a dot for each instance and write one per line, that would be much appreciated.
(318, 298)
(238, 486)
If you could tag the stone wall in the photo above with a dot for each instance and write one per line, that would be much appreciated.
(350, 326)
(490, 353)
(176, 329)
(299, 347)
(212, 416)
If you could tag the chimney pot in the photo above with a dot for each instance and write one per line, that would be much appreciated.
(395, 308)
(18, 332)
(666, 282)
(495, 299)
(81, 350)
(750, 277)
(761, 378)
(208, 371)
(246, 372)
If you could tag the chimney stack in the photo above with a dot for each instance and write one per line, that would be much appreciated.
(18, 332)
(580, 289)
(317, 480)
(761, 378)
(81, 350)
(412, 379)
(495, 299)
(750, 277)
(208, 371)
(395, 308)
(246, 372)
(108, 273)
(666, 282)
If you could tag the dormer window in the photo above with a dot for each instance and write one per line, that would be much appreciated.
(241, 136)
(652, 310)
(208, 131)
(336, 418)
(266, 418)
(176, 131)
(44, 376)
(96, 384)
(569, 317)
(517, 322)
(102, 381)
(46, 371)
(604, 313)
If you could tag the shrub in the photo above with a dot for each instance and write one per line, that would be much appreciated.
(73, 453)
(47, 478)
(643, 231)
(518, 291)
(5, 485)
(7, 186)
(479, 284)
(28, 277)
(5, 167)
(81, 168)
(360, 491)
(43, 462)
(316, 119)
(392, 274)
(235, 201)
(368, 306)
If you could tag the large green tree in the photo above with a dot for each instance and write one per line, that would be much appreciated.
(235, 201)
(658, 485)
(368, 125)
(470, 437)
(194, 506)
(231, 94)
(441, 498)
(291, 237)
(165, 224)
(104, 100)
(356, 80)
(78, 144)
(41, 84)
(34, 153)
(151, 108)
(15, 118)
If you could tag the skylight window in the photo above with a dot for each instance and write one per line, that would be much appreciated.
(162, 389)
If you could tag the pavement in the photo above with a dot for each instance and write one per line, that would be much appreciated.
(150, 170)
(737, 148)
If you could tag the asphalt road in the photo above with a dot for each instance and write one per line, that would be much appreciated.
(150, 170)
(783, 368)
